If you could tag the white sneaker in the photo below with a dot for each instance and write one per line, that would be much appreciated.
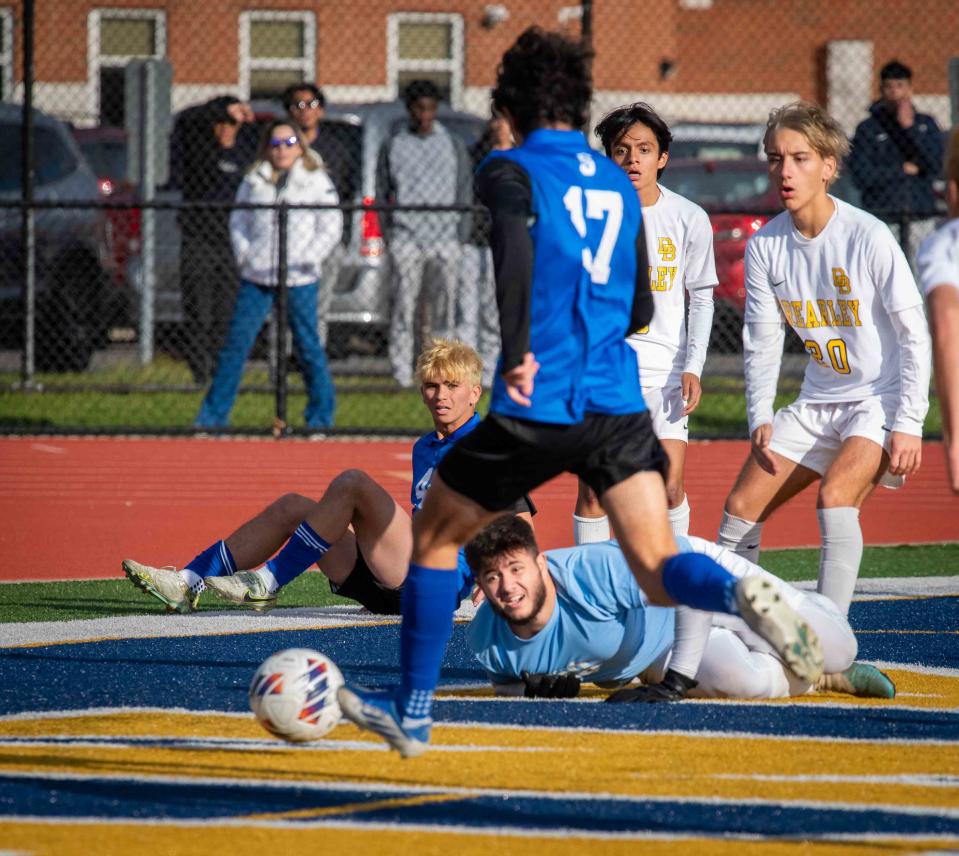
(763, 609)
(165, 584)
(245, 588)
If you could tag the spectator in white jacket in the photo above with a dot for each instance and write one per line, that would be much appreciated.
(285, 170)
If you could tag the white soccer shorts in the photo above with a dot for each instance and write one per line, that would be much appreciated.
(666, 405)
(811, 434)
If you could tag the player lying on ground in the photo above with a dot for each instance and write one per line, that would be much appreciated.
(679, 245)
(938, 264)
(836, 275)
(572, 282)
(356, 533)
(553, 620)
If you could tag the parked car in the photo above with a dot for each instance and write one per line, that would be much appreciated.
(355, 300)
(75, 298)
(739, 200)
(716, 141)
(105, 150)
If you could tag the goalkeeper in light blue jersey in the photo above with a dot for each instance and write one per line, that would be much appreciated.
(553, 620)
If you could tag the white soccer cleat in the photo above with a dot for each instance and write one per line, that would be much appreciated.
(245, 588)
(166, 585)
(764, 610)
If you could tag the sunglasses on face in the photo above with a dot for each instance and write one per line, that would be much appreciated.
(285, 142)
(302, 105)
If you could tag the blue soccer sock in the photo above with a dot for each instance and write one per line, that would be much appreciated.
(429, 601)
(303, 549)
(696, 580)
(215, 561)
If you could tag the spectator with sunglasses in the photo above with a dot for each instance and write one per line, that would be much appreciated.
(285, 170)
(306, 105)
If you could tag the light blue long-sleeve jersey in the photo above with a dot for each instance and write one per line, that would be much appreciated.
(602, 621)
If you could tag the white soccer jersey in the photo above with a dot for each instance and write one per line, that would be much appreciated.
(679, 242)
(938, 259)
(836, 291)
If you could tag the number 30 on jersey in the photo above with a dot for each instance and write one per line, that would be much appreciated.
(605, 205)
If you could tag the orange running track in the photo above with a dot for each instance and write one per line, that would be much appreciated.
(72, 508)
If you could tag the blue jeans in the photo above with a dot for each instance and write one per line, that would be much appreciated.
(253, 304)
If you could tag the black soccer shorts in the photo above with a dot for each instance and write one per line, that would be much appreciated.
(504, 458)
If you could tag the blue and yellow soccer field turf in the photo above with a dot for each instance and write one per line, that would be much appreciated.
(143, 743)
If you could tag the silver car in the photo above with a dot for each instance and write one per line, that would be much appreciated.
(355, 298)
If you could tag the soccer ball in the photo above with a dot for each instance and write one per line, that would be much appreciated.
(293, 694)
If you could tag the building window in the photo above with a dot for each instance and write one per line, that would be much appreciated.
(117, 36)
(277, 49)
(426, 46)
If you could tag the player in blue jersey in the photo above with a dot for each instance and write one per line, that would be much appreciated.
(553, 620)
(571, 279)
(356, 533)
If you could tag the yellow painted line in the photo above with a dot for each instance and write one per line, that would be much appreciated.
(634, 764)
(121, 839)
(355, 808)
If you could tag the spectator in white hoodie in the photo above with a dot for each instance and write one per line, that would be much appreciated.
(285, 170)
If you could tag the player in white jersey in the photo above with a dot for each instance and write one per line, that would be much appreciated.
(670, 358)
(938, 264)
(836, 275)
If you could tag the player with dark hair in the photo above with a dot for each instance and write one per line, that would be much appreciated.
(679, 243)
(554, 620)
(569, 255)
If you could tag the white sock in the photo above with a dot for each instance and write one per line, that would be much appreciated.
(589, 530)
(692, 631)
(679, 517)
(193, 580)
(740, 536)
(841, 554)
(265, 574)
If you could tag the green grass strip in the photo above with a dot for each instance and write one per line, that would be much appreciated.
(63, 601)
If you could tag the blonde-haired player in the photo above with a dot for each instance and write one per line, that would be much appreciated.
(679, 245)
(938, 264)
(836, 275)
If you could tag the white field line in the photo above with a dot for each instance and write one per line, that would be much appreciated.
(321, 618)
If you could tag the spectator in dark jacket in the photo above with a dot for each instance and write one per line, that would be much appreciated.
(212, 146)
(897, 151)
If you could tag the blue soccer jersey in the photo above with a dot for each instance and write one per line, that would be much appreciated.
(428, 451)
(584, 225)
(602, 623)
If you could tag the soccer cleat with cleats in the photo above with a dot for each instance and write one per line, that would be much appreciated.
(860, 679)
(165, 584)
(245, 588)
(764, 610)
(377, 711)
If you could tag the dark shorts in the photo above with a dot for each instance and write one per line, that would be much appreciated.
(504, 458)
(362, 587)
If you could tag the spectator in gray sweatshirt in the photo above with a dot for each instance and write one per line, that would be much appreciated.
(423, 164)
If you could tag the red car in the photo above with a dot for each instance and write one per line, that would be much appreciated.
(105, 150)
(739, 200)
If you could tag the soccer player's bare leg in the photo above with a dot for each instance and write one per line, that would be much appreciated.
(639, 517)
(756, 494)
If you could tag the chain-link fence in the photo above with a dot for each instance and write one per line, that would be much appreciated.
(227, 216)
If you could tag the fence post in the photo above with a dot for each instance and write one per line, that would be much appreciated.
(27, 224)
(279, 421)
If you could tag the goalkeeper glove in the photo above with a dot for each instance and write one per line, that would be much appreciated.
(673, 687)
